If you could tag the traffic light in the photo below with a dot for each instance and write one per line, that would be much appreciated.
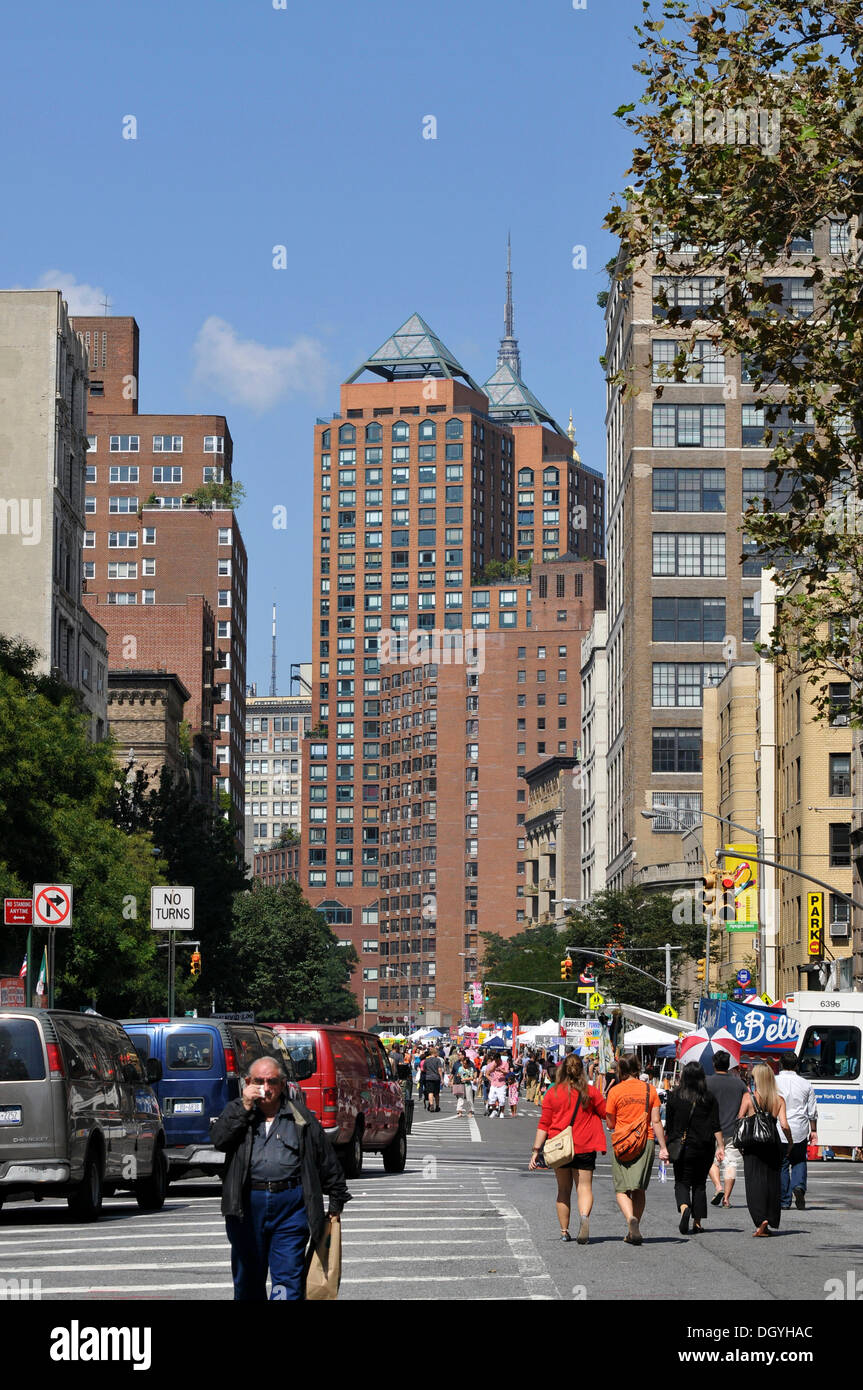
(708, 895)
(195, 963)
(700, 969)
(566, 969)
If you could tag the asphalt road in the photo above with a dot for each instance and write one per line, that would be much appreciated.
(465, 1220)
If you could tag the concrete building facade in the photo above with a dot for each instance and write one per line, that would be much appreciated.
(43, 447)
(276, 729)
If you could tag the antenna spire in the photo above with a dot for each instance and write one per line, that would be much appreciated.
(508, 353)
(273, 671)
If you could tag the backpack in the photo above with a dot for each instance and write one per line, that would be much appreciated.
(630, 1143)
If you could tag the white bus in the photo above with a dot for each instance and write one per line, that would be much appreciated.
(829, 1052)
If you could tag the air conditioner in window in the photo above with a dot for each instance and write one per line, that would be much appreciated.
(840, 929)
(840, 721)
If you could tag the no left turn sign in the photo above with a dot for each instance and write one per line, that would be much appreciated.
(52, 904)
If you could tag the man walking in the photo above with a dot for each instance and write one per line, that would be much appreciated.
(729, 1090)
(802, 1115)
(532, 1072)
(278, 1165)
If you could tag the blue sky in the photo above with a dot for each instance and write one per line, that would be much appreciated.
(302, 127)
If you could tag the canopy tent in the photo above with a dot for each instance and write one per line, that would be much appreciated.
(644, 1037)
(669, 1027)
(497, 1043)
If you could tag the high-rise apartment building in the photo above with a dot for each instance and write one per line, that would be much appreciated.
(276, 729)
(684, 460)
(43, 423)
(160, 528)
(438, 680)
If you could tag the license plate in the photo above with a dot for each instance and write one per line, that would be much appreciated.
(188, 1107)
(11, 1115)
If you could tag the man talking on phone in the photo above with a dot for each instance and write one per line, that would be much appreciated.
(278, 1165)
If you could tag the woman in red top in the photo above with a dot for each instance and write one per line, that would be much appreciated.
(572, 1101)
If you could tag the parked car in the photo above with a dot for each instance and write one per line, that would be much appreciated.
(202, 1061)
(78, 1115)
(349, 1085)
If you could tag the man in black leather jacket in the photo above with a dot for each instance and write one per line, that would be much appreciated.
(278, 1165)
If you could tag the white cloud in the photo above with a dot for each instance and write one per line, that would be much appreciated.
(84, 300)
(250, 374)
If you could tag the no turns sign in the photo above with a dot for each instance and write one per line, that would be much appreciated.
(52, 904)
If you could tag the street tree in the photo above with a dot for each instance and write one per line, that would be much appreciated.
(282, 960)
(750, 136)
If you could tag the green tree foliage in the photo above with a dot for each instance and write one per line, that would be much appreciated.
(750, 132)
(283, 960)
(196, 846)
(56, 792)
(630, 916)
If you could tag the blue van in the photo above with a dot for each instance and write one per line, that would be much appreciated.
(203, 1062)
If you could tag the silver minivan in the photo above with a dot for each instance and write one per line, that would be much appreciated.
(78, 1115)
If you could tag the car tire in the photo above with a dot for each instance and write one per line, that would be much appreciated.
(352, 1155)
(85, 1203)
(396, 1153)
(150, 1193)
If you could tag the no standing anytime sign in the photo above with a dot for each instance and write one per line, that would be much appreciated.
(171, 908)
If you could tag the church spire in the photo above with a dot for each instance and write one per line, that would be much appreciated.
(508, 353)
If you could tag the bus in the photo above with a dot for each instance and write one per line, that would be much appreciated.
(828, 1049)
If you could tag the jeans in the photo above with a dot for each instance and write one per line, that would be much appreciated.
(793, 1172)
(272, 1234)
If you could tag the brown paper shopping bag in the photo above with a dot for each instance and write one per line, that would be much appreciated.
(324, 1262)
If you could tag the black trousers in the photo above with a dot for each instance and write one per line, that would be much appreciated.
(690, 1178)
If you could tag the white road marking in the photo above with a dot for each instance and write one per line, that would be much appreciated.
(531, 1266)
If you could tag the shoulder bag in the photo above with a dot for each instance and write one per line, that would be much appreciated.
(630, 1143)
(757, 1128)
(561, 1148)
(675, 1147)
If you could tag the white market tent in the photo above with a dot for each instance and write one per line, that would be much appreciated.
(645, 1037)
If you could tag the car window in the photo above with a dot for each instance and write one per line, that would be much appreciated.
(77, 1051)
(189, 1049)
(274, 1044)
(141, 1044)
(100, 1047)
(831, 1054)
(125, 1055)
(246, 1046)
(21, 1056)
(303, 1047)
(349, 1050)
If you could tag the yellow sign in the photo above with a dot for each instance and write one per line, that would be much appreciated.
(815, 919)
(738, 888)
(765, 999)
(668, 1011)
(595, 1001)
(585, 989)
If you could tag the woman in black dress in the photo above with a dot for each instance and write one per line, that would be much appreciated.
(692, 1115)
(762, 1163)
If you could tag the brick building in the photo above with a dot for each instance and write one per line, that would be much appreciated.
(431, 688)
(159, 529)
(145, 710)
(275, 866)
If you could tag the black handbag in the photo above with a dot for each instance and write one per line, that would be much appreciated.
(754, 1129)
(675, 1148)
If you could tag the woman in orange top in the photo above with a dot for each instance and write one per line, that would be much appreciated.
(572, 1101)
(633, 1113)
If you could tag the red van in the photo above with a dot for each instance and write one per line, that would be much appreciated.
(349, 1085)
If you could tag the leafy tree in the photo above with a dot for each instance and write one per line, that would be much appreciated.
(283, 960)
(627, 916)
(56, 793)
(787, 78)
(196, 846)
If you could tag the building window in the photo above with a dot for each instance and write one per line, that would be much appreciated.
(214, 443)
(689, 554)
(224, 535)
(122, 540)
(679, 684)
(704, 366)
(689, 489)
(149, 535)
(167, 444)
(682, 811)
(694, 296)
(840, 774)
(689, 426)
(122, 600)
(751, 617)
(163, 474)
(840, 846)
(688, 619)
(676, 750)
(123, 473)
(148, 596)
(122, 504)
(125, 444)
(840, 704)
(840, 237)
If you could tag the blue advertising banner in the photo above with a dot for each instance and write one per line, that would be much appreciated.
(757, 1030)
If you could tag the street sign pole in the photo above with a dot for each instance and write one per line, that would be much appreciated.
(29, 995)
(51, 938)
(171, 974)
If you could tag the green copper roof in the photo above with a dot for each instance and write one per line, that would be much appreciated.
(413, 351)
(512, 401)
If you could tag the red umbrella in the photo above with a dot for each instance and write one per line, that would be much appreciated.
(692, 1047)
